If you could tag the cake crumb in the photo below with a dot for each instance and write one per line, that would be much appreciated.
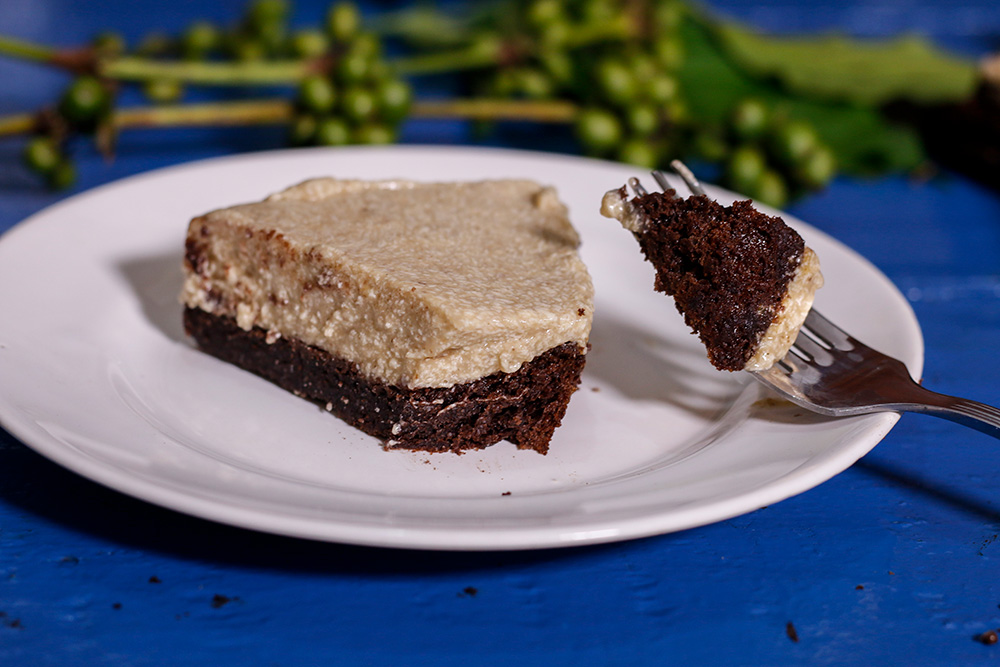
(469, 591)
(989, 637)
(219, 601)
(792, 632)
(859, 587)
(505, 493)
(154, 579)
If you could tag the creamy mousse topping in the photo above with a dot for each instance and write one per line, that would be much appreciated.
(790, 314)
(419, 284)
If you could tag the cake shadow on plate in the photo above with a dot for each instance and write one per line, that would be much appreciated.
(648, 367)
(156, 280)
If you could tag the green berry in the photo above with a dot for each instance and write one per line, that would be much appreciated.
(615, 80)
(750, 119)
(154, 44)
(486, 45)
(770, 189)
(309, 44)
(379, 71)
(366, 44)
(642, 119)
(199, 39)
(598, 11)
(746, 164)
(317, 94)
(598, 130)
(110, 43)
(818, 168)
(247, 49)
(394, 97)
(359, 104)
(374, 133)
(353, 67)
(662, 89)
(264, 15)
(555, 35)
(63, 175)
(332, 132)
(273, 38)
(643, 66)
(792, 141)
(639, 152)
(504, 84)
(669, 52)
(343, 21)
(84, 101)
(163, 91)
(302, 130)
(544, 12)
(534, 83)
(557, 64)
(710, 145)
(42, 154)
(668, 16)
(678, 112)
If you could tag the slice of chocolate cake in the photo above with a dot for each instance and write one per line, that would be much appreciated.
(743, 280)
(435, 316)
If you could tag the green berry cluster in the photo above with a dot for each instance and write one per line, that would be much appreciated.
(44, 155)
(634, 108)
(631, 104)
(83, 106)
(770, 156)
(352, 96)
(359, 100)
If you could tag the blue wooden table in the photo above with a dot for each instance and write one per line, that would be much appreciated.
(890, 562)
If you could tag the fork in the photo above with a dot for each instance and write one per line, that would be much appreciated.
(830, 372)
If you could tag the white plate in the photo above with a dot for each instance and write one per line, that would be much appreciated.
(95, 374)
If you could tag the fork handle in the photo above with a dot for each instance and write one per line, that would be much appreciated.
(973, 414)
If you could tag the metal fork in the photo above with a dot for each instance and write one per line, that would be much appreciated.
(830, 372)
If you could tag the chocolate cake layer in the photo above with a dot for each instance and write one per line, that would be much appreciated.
(727, 267)
(524, 406)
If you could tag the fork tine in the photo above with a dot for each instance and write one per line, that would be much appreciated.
(811, 350)
(828, 332)
(690, 180)
(661, 180)
(637, 187)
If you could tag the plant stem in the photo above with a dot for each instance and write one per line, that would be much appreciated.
(130, 68)
(541, 111)
(19, 48)
(277, 111)
(21, 123)
(249, 112)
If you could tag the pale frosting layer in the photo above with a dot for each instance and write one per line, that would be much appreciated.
(791, 313)
(419, 284)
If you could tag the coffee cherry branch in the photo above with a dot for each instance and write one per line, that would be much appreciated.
(610, 68)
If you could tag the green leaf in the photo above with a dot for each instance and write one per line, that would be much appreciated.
(864, 141)
(838, 68)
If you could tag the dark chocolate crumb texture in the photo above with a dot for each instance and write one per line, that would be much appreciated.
(524, 406)
(730, 270)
